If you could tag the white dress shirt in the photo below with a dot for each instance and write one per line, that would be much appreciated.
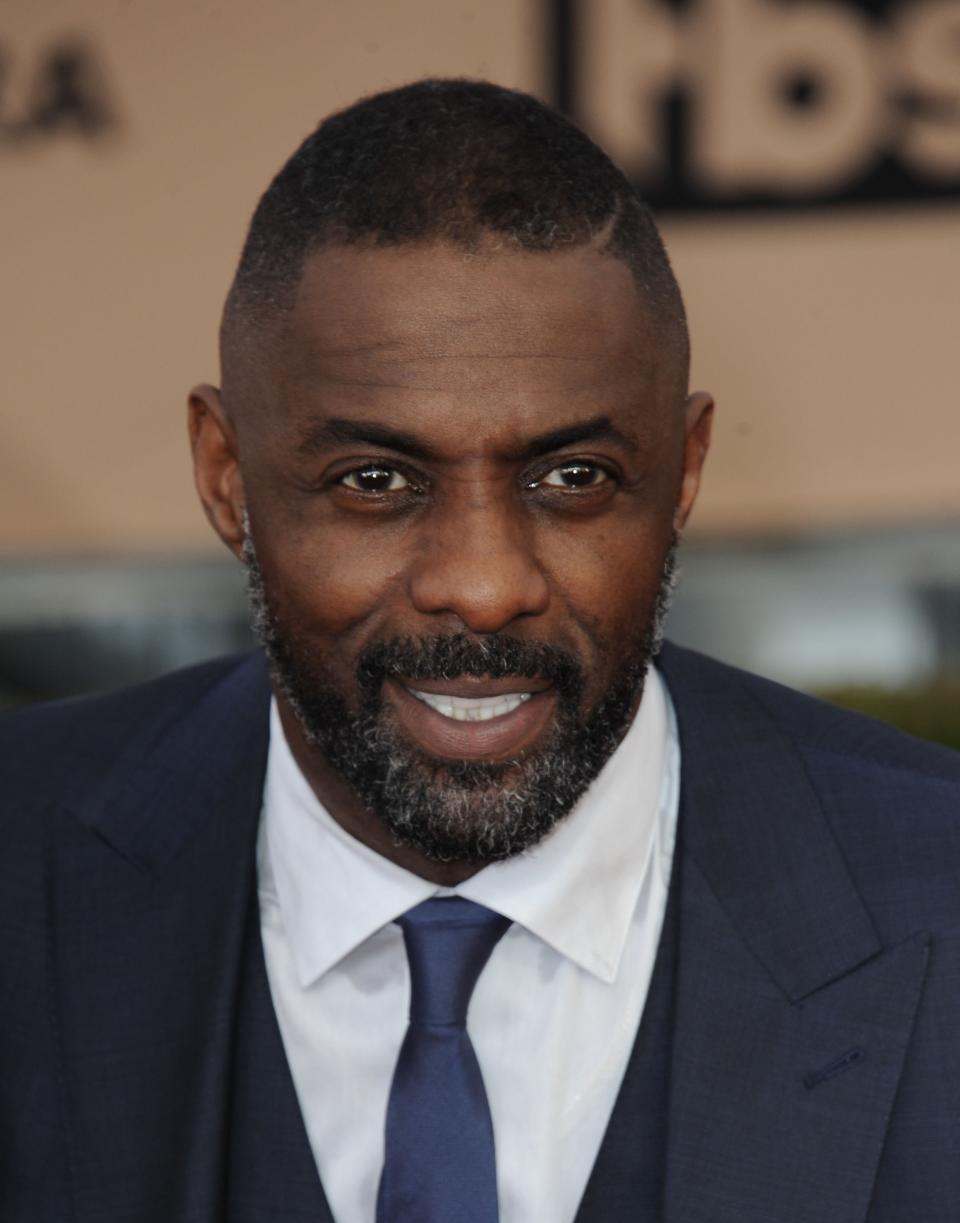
(555, 1012)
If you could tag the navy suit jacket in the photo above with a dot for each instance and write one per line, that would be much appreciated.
(815, 1070)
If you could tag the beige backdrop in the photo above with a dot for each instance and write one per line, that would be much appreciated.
(828, 341)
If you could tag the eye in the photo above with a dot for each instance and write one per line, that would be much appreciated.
(574, 475)
(375, 478)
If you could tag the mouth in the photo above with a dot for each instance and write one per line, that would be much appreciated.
(472, 708)
(471, 718)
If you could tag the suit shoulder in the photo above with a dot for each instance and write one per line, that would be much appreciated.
(819, 728)
(890, 801)
(51, 745)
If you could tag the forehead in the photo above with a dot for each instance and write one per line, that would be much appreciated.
(477, 339)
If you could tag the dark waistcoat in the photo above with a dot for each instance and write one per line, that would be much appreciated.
(271, 1174)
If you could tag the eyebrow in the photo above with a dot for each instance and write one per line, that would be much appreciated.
(339, 430)
(597, 428)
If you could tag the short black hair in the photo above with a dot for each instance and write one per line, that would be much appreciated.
(447, 160)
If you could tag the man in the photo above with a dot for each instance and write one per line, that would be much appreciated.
(454, 448)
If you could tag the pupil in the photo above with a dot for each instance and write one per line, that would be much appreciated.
(374, 478)
(578, 475)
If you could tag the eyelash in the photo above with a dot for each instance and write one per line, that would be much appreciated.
(597, 469)
(377, 467)
(417, 487)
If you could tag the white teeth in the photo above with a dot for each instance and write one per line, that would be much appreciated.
(472, 708)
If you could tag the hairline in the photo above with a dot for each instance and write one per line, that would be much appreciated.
(257, 322)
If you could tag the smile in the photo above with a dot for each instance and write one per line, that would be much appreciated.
(493, 725)
(472, 708)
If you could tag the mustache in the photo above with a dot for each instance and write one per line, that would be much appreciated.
(450, 656)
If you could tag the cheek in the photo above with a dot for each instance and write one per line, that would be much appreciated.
(612, 578)
(609, 593)
(328, 588)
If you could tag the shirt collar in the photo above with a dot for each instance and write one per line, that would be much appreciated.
(576, 890)
(333, 891)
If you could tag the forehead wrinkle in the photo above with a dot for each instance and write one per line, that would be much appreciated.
(370, 368)
(330, 374)
(314, 358)
(441, 332)
(428, 346)
(473, 381)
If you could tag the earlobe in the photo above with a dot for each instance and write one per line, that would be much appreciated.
(698, 422)
(216, 468)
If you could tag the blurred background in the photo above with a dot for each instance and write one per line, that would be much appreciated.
(804, 160)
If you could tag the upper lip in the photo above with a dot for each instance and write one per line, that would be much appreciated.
(476, 685)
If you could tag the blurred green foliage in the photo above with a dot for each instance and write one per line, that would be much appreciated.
(931, 711)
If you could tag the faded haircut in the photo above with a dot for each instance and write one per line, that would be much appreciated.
(457, 161)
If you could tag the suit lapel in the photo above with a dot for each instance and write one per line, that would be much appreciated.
(792, 1020)
(150, 883)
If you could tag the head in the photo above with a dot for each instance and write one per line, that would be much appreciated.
(455, 449)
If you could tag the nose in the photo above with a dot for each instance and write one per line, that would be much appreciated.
(478, 562)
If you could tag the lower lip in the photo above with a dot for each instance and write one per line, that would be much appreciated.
(502, 738)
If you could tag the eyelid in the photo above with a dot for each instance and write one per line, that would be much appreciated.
(395, 469)
(605, 469)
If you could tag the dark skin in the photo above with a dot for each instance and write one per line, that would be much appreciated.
(444, 441)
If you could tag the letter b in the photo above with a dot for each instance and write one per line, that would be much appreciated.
(748, 135)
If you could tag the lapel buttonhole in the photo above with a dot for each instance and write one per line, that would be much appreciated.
(852, 1057)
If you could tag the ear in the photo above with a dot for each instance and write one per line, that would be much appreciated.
(216, 467)
(698, 421)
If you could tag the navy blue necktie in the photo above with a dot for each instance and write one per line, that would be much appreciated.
(439, 1162)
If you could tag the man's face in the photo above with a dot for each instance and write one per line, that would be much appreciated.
(463, 474)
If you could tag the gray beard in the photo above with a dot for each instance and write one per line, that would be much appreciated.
(456, 811)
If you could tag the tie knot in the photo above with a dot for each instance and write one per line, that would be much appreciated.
(449, 940)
